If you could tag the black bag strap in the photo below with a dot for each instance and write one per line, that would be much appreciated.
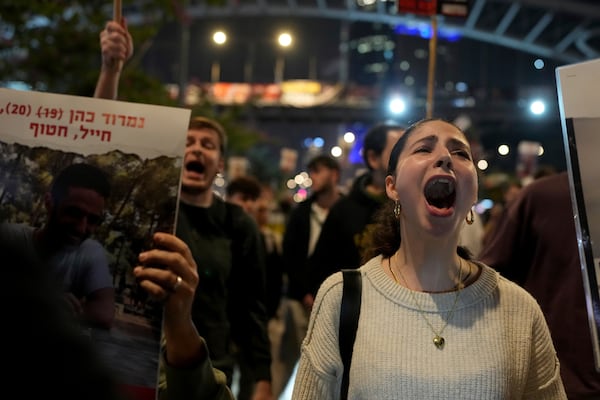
(349, 314)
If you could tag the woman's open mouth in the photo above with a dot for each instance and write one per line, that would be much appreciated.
(440, 194)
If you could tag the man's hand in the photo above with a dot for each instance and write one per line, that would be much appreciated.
(169, 274)
(116, 45)
(73, 304)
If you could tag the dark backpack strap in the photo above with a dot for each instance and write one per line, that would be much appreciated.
(349, 314)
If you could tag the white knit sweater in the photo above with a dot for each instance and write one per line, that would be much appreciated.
(497, 344)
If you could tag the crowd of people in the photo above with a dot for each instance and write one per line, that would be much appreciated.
(452, 306)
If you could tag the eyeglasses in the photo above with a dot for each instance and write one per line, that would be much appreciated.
(77, 213)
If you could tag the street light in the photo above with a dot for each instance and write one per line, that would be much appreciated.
(285, 40)
(219, 38)
(537, 107)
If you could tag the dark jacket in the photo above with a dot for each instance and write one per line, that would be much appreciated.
(536, 246)
(295, 249)
(341, 240)
(272, 248)
(230, 299)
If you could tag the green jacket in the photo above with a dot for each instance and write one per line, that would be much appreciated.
(201, 382)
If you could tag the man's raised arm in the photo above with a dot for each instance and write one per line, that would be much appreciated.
(117, 47)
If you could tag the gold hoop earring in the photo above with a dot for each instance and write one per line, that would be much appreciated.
(470, 218)
(397, 209)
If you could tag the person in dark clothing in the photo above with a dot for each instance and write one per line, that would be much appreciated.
(272, 244)
(247, 192)
(304, 225)
(339, 245)
(301, 234)
(535, 245)
(229, 307)
(244, 191)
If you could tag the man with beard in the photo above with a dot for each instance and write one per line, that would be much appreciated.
(304, 226)
(75, 207)
(301, 234)
(229, 305)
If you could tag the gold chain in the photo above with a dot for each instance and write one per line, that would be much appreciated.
(438, 339)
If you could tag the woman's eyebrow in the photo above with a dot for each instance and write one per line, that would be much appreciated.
(426, 139)
(458, 143)
(432, 139)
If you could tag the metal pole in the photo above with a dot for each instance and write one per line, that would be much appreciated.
(312, 68)
(279, 67)
(117, 17)
(431, 71)
(184, 54)
(344, 51)
(249, 65)
(215, 72)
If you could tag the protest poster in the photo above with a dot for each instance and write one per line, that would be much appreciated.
(140, 148)
(578, 99)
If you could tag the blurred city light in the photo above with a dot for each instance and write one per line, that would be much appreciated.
(349, 137)
(482, 165)
(537, 107)
(397, 105)
(539, 63)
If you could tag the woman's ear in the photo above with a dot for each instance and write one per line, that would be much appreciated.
(390, 188)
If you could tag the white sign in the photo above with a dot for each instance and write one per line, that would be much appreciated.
(579, 102)
(88, 125)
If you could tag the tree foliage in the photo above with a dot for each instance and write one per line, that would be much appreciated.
(53, 46)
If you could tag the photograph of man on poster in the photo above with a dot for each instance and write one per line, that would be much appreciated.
(74, 208)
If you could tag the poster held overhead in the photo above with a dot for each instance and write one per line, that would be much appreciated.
(579, 98)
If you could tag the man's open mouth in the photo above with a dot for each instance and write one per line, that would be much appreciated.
(195, 166)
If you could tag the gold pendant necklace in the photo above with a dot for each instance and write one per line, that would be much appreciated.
(438, 339)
